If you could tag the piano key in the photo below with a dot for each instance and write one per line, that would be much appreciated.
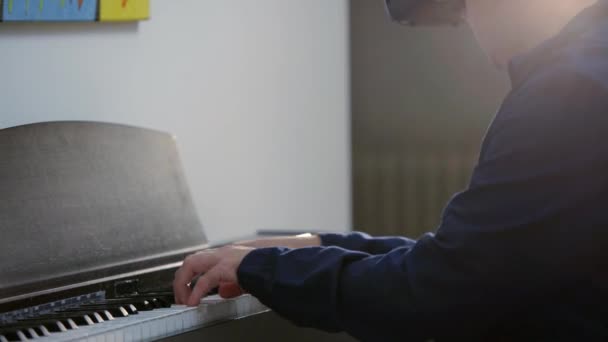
(97, 316)
(51, 325)
(37, 328)
(156, 301)
(160, 303)
(140, 304)
(31, 333)
(100, 316)
(167, 294)
(164, 296)
(129, 309)
(67, 322)
(3, 338)
(41, 330)
(106, 315)
(78, 318)
(14, 335)
(115, 311)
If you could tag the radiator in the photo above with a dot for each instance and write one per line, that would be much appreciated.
(403, 193)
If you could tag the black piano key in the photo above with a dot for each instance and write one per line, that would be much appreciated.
(143, 304)
(38, 329)
(52, 325)
(170, 294)
(128, 308)
(41, 330)
(165, 300)
(159, 303)
(67, 322)
(106, 315)
(42, 325)
(115, 310)
(96, 315)
(56, 326)
(83, 320)
(140, 304)
(27, 329)
(153, 294)
(13, 335)
(31, 333)
(78, 318)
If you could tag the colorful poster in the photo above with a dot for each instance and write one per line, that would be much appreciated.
(49, 10)
(123, 10)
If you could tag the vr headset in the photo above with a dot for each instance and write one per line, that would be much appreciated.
(426, 12)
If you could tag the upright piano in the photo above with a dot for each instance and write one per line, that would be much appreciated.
(95, 218)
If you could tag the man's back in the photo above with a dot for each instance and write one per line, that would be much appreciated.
(541, 184)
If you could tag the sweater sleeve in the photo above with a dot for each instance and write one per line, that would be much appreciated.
(362, 242)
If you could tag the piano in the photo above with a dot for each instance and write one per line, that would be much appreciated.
(95, 218)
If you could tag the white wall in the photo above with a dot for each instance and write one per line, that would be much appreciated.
(256, 92)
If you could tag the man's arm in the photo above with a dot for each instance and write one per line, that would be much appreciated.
(526, 231)
(362, 242)
(355, 241)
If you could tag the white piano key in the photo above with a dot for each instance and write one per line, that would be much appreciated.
(100, 338)
(128, 334)
(145, 331)
(119, 336)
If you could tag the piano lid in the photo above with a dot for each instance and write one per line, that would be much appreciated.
(85, 200)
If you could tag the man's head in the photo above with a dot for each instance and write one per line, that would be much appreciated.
(506, 28)
(503, 28)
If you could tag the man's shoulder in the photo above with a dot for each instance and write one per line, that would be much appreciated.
(574, 82)
(561, 106)
(582, 62)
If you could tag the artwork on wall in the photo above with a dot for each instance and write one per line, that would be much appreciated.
(123, 10)
(74, 10)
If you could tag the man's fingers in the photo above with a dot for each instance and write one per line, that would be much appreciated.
(181, 290)
(216, 266)
(205, 283)
(230, 290)
(193, 265)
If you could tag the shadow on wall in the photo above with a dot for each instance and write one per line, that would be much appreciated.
(403, 193)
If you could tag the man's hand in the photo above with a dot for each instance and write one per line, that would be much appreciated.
(218, 268)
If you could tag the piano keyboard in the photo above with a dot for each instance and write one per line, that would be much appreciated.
(130, 324)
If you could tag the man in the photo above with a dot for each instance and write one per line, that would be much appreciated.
(521, 253)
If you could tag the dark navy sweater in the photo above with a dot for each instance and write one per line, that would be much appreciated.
(521, 253)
